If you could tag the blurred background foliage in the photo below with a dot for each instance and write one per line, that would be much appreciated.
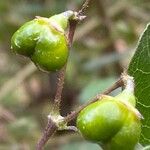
(103, 45)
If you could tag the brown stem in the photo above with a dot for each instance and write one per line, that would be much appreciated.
(72, 24)
(73, 114)
(61, 74)
(59, 89)
(51, 127)
(48, 132)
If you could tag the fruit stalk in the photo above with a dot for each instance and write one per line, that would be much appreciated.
(112, 122)
(73, 114)
(51, 126)
(61, 73)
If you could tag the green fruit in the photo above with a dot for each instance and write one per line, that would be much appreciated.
(43, 40)
(110, 123)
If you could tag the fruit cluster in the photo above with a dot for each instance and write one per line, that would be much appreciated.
(112, 122)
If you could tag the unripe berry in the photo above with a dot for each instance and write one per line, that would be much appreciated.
(110, 122)
(43, 40)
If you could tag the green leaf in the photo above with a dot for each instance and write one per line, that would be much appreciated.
(139, 68)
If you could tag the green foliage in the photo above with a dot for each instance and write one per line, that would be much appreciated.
(139, 68)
